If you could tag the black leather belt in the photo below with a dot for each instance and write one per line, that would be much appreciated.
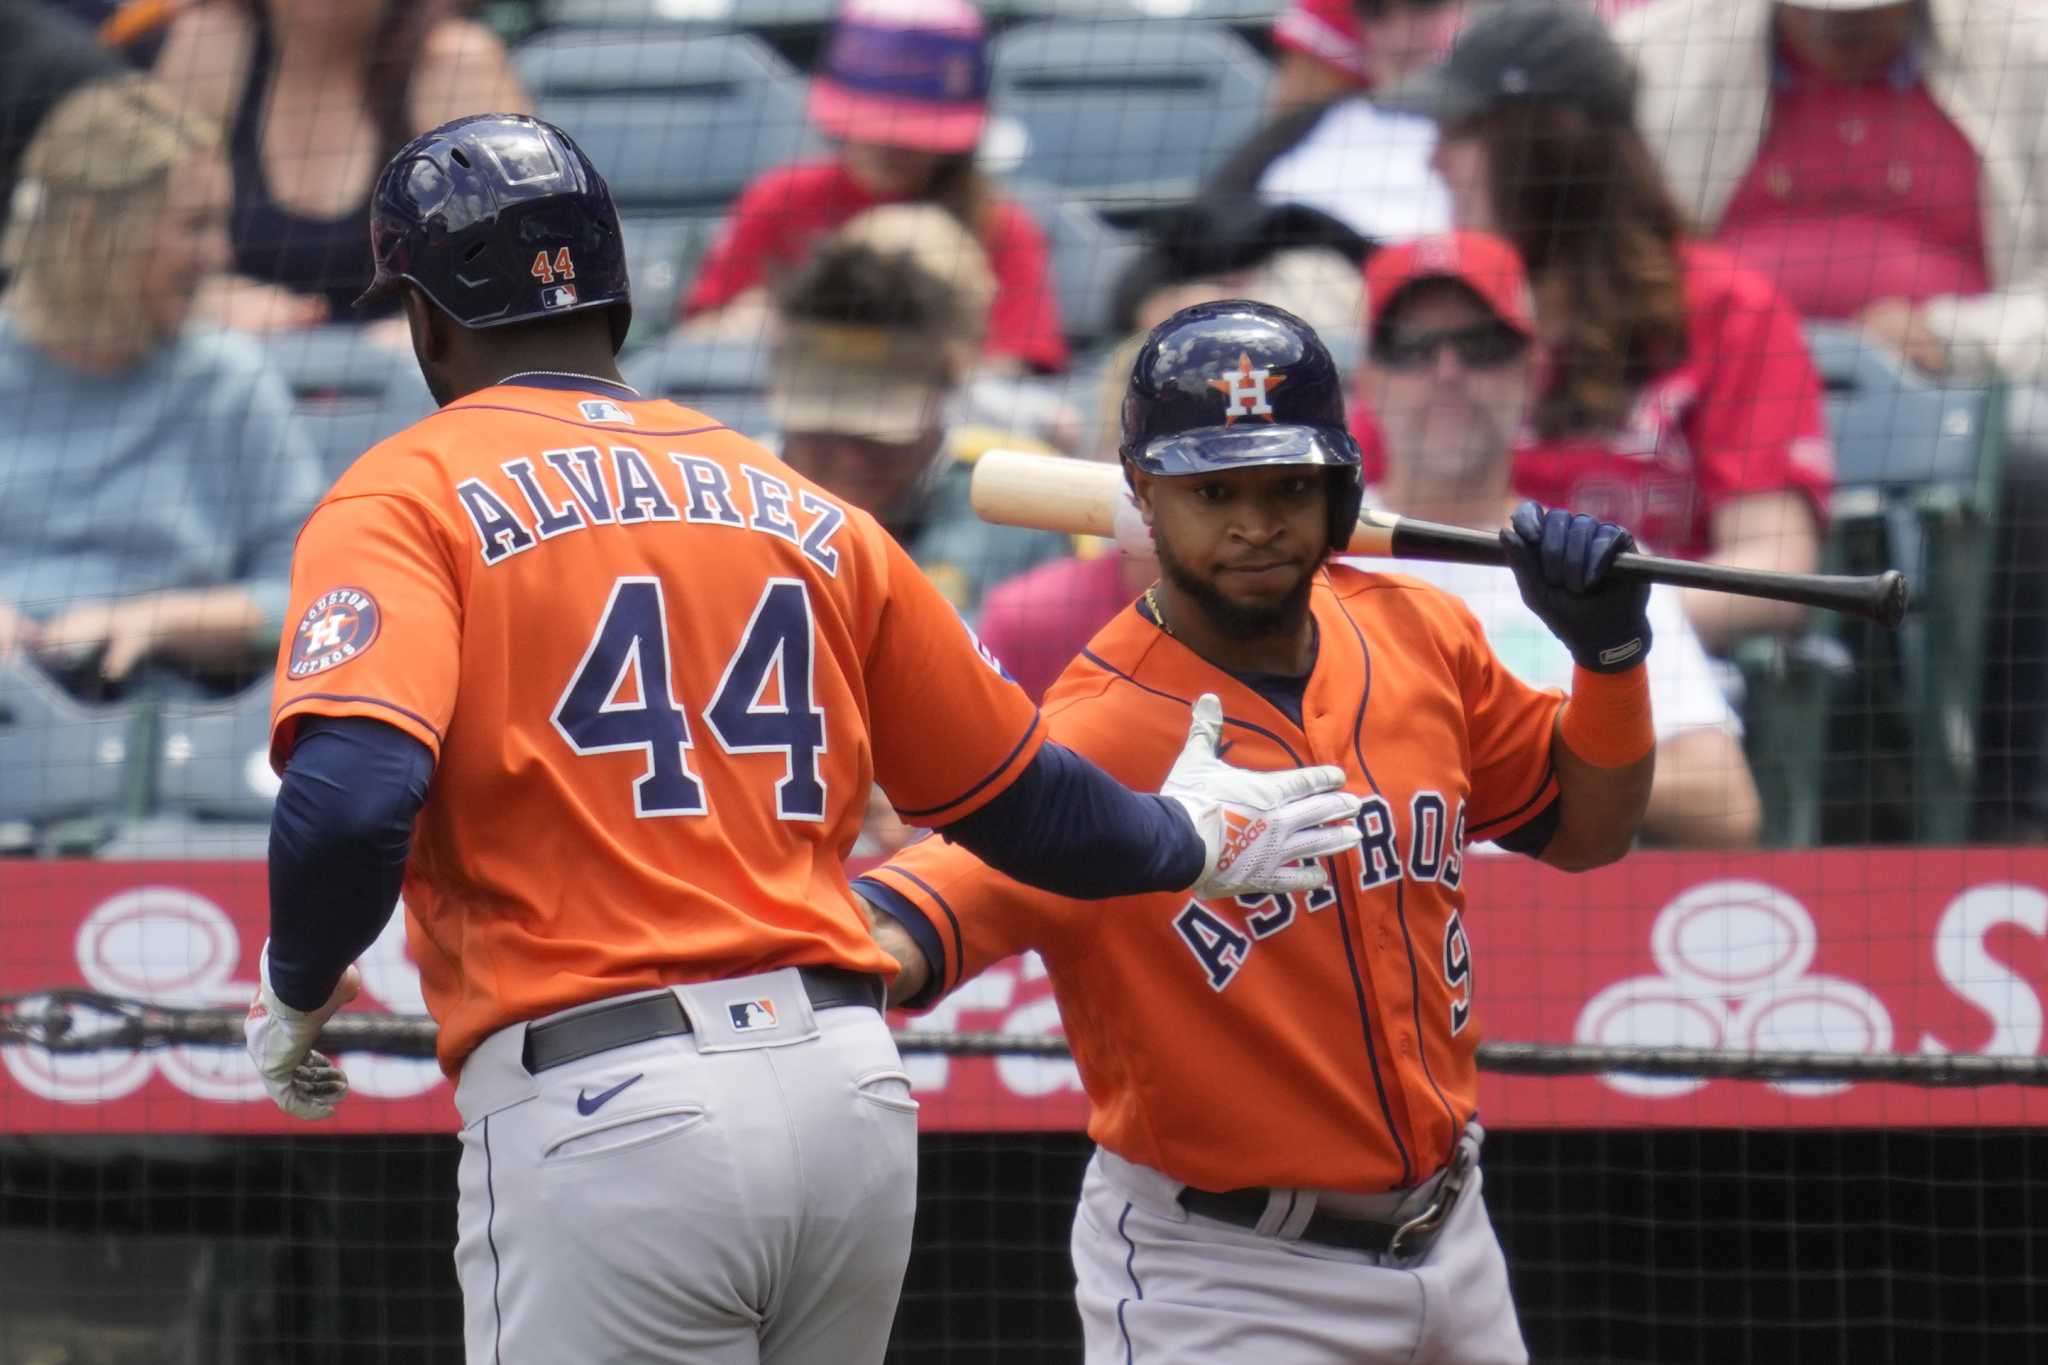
(1406, 1240)
(558, 1041)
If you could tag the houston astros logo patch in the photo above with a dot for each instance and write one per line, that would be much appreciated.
(338, 626)
(1245, 390)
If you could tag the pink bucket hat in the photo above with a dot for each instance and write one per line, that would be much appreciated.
(904, 73)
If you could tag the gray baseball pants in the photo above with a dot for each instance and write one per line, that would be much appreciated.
(1157, 1284)
(740, 1195)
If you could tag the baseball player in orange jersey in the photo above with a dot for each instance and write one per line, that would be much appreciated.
(1283, 1093)
(606, 686)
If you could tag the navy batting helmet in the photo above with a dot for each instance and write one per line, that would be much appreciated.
(499, 218)
(1233, 384)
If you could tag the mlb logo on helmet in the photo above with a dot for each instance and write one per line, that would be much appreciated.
(558, 296)
(751, 1016)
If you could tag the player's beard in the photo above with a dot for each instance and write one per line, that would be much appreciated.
(1238, 620)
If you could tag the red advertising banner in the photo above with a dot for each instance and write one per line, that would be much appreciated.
(1921, 950)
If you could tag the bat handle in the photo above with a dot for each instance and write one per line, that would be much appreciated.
(1877, 597)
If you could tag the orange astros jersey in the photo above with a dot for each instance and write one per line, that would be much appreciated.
(658, 670)
(1316, 1041)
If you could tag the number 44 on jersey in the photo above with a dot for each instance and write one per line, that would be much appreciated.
(631, 646)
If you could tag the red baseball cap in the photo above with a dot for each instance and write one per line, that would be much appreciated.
(1328, 31)
(1487, 265)
(904, 73)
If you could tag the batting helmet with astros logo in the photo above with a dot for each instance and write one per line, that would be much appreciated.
(1233, 384)
(497, 219)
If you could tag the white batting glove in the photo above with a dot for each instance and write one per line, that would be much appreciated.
(1264, 831)
(305, 1083)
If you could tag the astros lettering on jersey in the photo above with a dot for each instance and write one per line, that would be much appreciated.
(1318, 1041)
(631, 693)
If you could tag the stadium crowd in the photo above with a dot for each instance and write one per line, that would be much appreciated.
(1645, 260)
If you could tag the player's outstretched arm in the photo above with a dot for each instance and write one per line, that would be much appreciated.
(1067, 827)
(339, 838)
(1604, 746)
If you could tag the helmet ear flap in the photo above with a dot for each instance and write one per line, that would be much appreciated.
(1347, 499)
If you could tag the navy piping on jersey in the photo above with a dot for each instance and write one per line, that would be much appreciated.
(952, 923)
(896, 905)
(1542, 785)
(572, 422)
(414, 716)
(1137, 1290)
(1400, 887)
(974, 790)
(491, 1240)
(1288, 696)
(1108, 667)
(1372, 1055)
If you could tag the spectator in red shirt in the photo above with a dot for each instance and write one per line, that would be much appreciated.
(1320, 53)
(1681, 399)
(1881, 161)
(903, 91)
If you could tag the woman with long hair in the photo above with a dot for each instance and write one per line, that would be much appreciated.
(315, 95)
(156, 476)
(1679, 398)
(903, 93)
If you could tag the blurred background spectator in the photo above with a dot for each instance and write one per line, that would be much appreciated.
(151, 476)
(1879, 161)
(1288, 255)
(46, 54)
(1451, 368)
(903, 93)
(1679, 397)
(1319, 54)
(1883, 163)
(878, 334)
(315, 95)
(1351, 156)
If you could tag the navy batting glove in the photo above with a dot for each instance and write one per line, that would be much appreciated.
(1561, 561)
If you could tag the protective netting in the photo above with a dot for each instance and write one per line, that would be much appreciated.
(1768, 1089)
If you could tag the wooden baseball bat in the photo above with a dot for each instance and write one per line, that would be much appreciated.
(1052, 493)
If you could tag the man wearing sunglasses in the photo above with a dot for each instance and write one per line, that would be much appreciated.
(1451, 362)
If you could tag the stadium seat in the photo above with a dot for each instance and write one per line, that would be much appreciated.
(1789, 689)
(718, 376)
(662, 255)
(1917, 489)
(213, 758)
(679, 120)
(1089, 256)
(61, 759)
(348, 391)
(1122, 113)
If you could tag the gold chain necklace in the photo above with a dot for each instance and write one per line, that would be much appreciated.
(1158, 616)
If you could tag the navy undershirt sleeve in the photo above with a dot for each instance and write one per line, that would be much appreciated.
(1068, 827)
(889, 901)
(339, 837)
(1533, 835)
